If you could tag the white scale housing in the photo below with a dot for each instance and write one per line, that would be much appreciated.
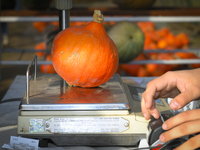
(108, 115)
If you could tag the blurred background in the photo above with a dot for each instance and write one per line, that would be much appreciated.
(21, 40)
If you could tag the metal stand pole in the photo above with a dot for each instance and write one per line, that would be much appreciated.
(0, 42)
(64, 7)
(64, 22)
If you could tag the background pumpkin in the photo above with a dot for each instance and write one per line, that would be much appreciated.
(128, 38)
(85, 56)
(47, 68)
(40, 46)
(133, 69)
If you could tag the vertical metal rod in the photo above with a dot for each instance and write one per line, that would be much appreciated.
(34, 60)
(64, 7)
(35, 74)
(64, 23)
(64, 19)
(0, 41)
(27, 83)
(67, 18)
(61, 20)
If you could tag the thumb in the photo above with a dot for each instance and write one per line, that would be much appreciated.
(181, 100)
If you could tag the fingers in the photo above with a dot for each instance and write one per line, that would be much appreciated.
(186, 128)
(144, 110)
(192, 143)
(148, 96)
(183, 98)
(159, 87)
(148, 112)
(185, 116)
(153, 90)
(148, 103)
(185, 123)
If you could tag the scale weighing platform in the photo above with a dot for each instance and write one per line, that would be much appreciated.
(108, 115)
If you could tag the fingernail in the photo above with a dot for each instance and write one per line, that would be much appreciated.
(162, 138)
(164, 126)
(145, 115)
(154, 115)
(174, 105)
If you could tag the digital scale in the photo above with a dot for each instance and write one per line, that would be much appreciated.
(108, 115)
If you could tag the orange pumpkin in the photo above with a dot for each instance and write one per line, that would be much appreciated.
(165, 67)
(170, 39)
(178, 42)
(147, 40)
(40, 26)
(183, 55)
(157, 72)
(142, 72)
(146, 26)
(162, 44)
(85, 56)
(151, 68)
(132, 69)
(163, 32)
(184, 38)
(40, 46)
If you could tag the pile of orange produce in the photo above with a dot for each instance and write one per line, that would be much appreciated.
(155, 39)
(40, 46)
(159, 39)
(44, 68)
(47, 68)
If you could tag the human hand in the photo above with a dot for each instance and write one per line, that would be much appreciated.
(183, 86)
(185, 123)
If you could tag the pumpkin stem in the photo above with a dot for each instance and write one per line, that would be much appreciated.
(98, 16)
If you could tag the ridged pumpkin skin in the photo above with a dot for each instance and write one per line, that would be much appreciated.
(129, 40)
(84, 56)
